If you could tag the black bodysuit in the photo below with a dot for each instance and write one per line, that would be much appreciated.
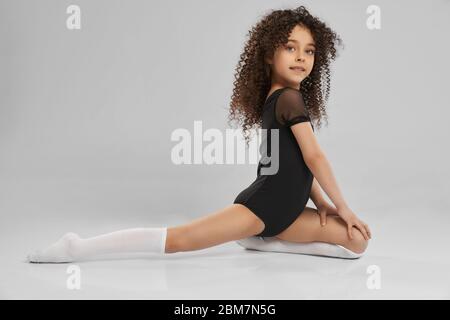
(278, 199)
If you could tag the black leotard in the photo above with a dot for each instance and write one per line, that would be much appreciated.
(278, 199)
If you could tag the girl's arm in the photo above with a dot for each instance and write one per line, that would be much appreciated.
(316, 193)
(317, 162)
(321, 168)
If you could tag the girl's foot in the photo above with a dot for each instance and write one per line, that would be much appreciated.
(58, 252)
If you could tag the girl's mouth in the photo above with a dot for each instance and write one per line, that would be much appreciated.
(297, 69)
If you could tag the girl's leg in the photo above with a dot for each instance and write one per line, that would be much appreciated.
(231, 223)
(306, 236)
(307, 228)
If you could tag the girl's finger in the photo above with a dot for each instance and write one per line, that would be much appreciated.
(349, 228)
(363, 231)
(323, 218)
(368, 230)
(319, 212)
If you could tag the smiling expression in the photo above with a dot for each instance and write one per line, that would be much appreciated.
(293, 61)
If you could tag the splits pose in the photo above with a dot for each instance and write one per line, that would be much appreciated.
(282, 82)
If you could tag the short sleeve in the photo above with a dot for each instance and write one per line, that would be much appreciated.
(290, 108)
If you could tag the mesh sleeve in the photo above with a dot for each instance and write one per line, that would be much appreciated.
(290, 108)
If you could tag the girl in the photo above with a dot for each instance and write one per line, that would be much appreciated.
(282, 82)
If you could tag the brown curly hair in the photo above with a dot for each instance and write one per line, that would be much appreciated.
(252, 74)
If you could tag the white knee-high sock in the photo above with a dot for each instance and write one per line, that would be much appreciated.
(71, 247)
(274, 244)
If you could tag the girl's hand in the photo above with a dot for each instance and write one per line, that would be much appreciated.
(352, 220)
(324, 209)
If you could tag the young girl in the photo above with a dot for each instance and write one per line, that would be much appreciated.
(282, 82)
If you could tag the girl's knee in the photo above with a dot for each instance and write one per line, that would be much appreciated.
(358, 244)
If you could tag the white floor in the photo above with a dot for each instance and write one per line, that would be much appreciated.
(410, 267)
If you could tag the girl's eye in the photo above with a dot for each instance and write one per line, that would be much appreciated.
(289, 47)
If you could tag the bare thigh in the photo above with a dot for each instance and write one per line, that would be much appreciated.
(232, 223)
(307, 228)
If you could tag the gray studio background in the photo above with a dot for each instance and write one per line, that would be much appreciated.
(86, 118)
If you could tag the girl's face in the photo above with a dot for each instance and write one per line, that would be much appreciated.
(299, 51)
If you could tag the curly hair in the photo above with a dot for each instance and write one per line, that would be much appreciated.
(252, 74)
